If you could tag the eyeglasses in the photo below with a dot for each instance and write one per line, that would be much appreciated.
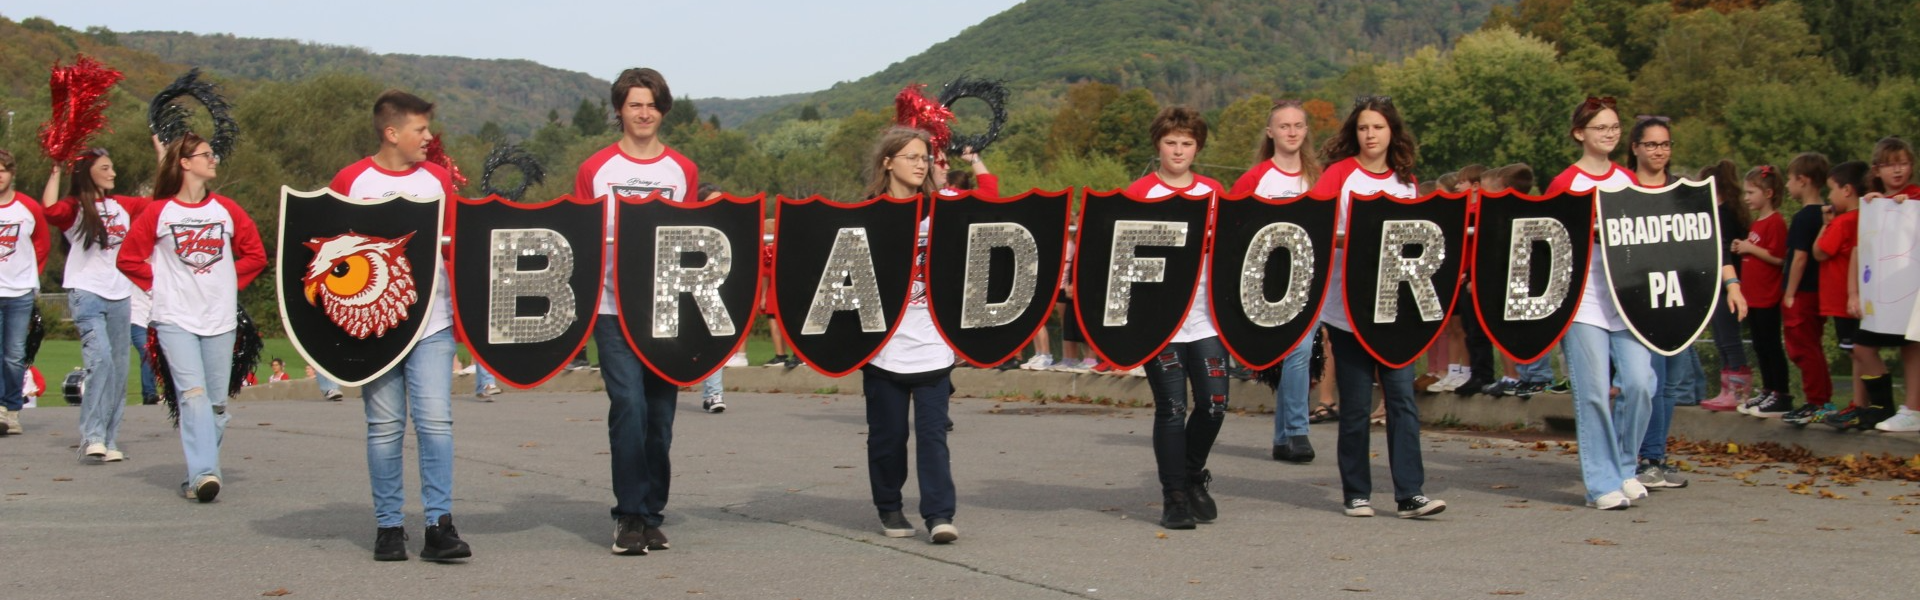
(1652, 146)
(1893, 165)
(927, 158)
(208, 154)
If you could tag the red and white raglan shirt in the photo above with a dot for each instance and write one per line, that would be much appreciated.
(916, 345)
(615, 174)
(194, 258)
(1596, 303)
(1199, 322)
(93, 268)
(1267, 180)
(988, 184)
(1347, 179)
(365, 180)
(24, 244)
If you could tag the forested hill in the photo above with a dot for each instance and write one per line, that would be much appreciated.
(1206, 53)
(515, 94)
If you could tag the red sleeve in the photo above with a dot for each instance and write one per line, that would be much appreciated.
(1775, 239)
(583, 179)
(1248, 181)
(989, 184)
(134, 205)
(1141, 186)
(63, 213)
(138, 247)
(693, 177)
(343, 180)
(1333, 180)
(1563, 181)
(249, 255)
(42, 238)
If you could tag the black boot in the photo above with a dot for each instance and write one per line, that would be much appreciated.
(1204, 510)
(1302, 449)
(390, 543)
(443, 542)
(1177, 513)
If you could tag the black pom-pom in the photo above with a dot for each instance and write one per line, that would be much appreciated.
(511, 155)
(994, 93)
(246, 351)
(36, 332)
(169, 120)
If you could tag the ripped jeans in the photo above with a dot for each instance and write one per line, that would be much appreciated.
(200, 367)
(1181, 442)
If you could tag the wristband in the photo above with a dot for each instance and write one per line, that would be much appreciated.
(1727, 282)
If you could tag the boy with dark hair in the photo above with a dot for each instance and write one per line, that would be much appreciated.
(1800, 308)
(640, 418)
(422, 384)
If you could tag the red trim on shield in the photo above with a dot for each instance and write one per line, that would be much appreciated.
(1206, 242)
(1066, 195)
(746, 325)
(783, 201)
(1455, 293)
(1580, 278)
(1308, 332)
(454, 291)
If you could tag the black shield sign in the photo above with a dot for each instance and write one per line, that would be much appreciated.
(356, 278)
(1137, 269)
(1530, 257)
(1661, 249)
(526, 282)
(1269, 273)
(1404, 262)
(993, 269)
(686, 275)
(841, 275)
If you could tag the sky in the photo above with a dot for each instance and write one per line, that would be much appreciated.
(707, 48)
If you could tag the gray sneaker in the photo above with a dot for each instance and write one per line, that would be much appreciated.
(895, 525)
(1656, 476)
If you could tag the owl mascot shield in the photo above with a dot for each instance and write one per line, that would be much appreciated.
(354, 278)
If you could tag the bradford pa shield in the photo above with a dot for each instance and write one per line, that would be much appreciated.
(526, 278)
(356, 278)
(841, 275)
(993, 269)
(1137, 269)
(1269, 273)
(1530, 257)
(1404, 261)
(1661, 249)
(686, 275)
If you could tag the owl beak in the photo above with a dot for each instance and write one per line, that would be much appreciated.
(313, 293)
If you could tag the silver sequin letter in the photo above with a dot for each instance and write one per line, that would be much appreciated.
(508, 284)
(848, 283)
(1253, 276)
(670, 280)
(1520, 304)
(1129, 269)
(1416, 271)
(975, 310)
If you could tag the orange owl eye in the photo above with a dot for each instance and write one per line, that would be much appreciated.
(349, 276)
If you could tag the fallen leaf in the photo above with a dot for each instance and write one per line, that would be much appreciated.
(1500, 486)
(1733, 448)
(1192, 581)
(1342, 557)
(510, 474)
(1600, 542)
(278, 592)
(266, 424)
(1828, 494)
(63, 479)
(1160, 535)
(1355, 589)
(530, 445)
(1509, 593)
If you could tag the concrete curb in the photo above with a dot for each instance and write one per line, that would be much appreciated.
(1545, 412)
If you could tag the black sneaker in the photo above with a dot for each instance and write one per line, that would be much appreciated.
(942, 531)
(1801, 416)
(1501, 388)
(1873, 415)
(1560, 386)
(1420, 506)
(149, 400)
(1776, 404)
(1177, 513)
(578, 364)
(1240, 373)
(1297, 450)
(895, 525)
(390, 544)
(1474, 385)
(1358, 507)
(793, 361)
(1010, 365)
(1204, 509)
(1529, 390)
(777, 360)
(443, 542)
(656, 539)
(629, 538)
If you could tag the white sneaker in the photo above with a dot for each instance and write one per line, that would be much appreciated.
(113, 456)
(10, 422)
(96, 450)
(1039, 362)
(1135, 372)
(467, 370)
(491, 390)
(203, 489)
(1633, 489)
(1611, 501)
(1449, 383)
(739, 359)
(1905, 421)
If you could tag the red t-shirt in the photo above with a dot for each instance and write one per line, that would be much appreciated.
(1763, 282)
(1837, 242)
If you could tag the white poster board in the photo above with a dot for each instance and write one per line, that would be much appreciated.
(1889, 270)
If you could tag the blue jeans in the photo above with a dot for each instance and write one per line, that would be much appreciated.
(1538, 371)
(1183, 434)
(421, 385)
(639, 426)
(887, 432)
(1610, 431)
(200, 367)
(481, 379)
(326, 385)
(713, 386)
(1353, 372)
(16, 316)
(104, 354)
(147, 390)
(1675, 378)
(1290, 398)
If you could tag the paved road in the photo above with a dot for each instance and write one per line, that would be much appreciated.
(770, 501)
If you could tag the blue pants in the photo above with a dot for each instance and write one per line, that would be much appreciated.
(888, 429)
(1353, 371)
(16, 316)
(639, 426)
(1290, 398)
(1610, 431)
(200, 367)
(103, 350)
(421, 387)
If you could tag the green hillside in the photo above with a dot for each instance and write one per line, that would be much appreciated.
(515, 94)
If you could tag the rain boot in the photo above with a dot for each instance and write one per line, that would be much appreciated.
(1730, 393)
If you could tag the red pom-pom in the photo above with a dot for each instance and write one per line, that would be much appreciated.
(913, 109)
(79, 108)
(437, 154)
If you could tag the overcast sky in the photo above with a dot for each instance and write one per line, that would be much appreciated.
(708, 48)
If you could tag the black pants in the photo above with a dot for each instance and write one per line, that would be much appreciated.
(887, 432)
(1479, 348)
(1767, 348)
(1181, 442)
(1354, 370)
